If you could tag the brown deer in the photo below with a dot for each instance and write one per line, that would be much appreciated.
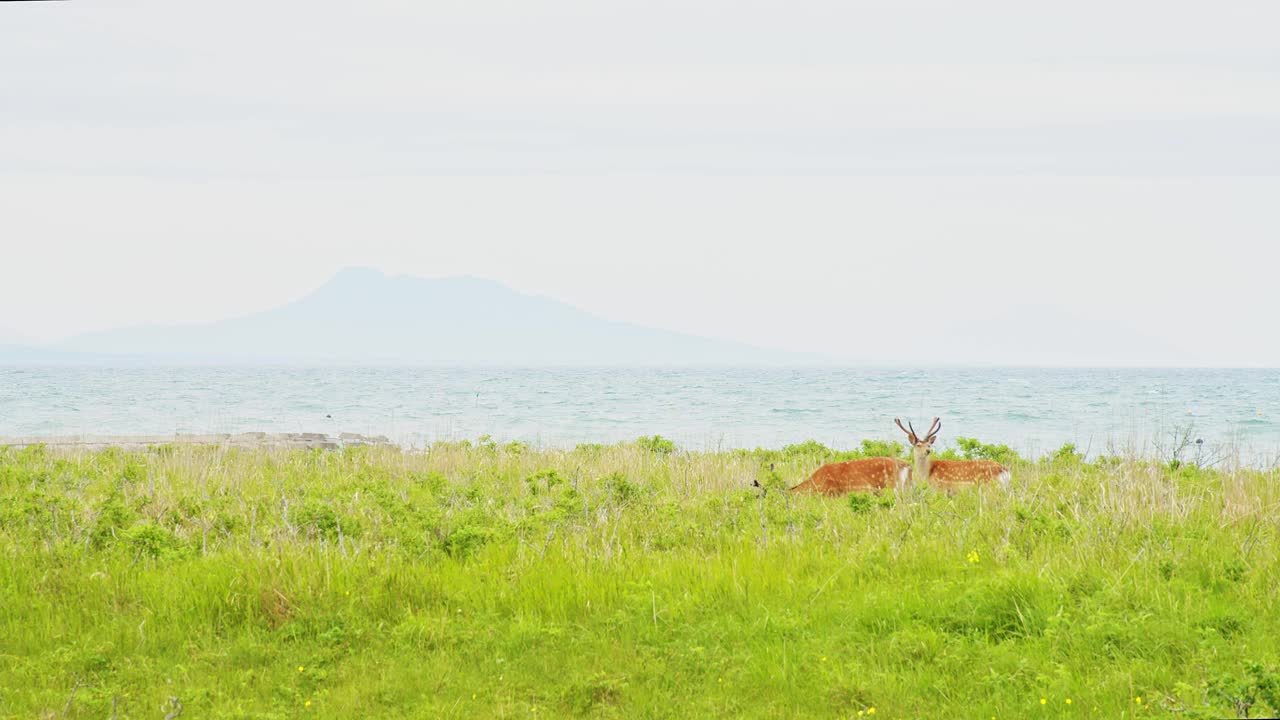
(867, 474)
(949, 474)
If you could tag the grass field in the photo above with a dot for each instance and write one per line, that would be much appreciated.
(636, 581)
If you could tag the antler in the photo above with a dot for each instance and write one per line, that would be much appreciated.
(911, 434)
(933, 430)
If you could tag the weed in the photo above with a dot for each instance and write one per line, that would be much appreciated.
(631, 580)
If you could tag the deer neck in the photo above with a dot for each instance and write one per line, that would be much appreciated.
(922, 464)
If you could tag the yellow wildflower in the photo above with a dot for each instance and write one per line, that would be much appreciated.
(300, 668)
(1068, 701)
(307, 704)
(871, 711)
(1043, 701)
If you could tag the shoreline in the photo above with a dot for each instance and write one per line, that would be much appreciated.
(244, 440)
(1222, 455)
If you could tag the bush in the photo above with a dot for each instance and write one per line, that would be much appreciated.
(112, 517)
(881, 448)
(1065, 455)
(807, 448)
(323, 521)
(971, 449)
(620, 488)
(866, 502)
(656, 444)
(463, 542)
(861, 502)
(150, 540)
(1259, 689)
(548, 479)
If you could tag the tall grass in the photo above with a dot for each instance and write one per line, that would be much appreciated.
(637, 580)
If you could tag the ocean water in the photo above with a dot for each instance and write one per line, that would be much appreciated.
(1032, 410)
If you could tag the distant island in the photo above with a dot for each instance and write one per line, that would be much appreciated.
(366, 317)
(363, 316)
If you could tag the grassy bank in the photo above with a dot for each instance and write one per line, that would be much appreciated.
(478, 580)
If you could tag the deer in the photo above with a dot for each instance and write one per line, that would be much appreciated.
(949, 475)
(864, 475)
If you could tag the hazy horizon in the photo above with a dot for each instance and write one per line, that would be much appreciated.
(335, 309)
(1075, 185)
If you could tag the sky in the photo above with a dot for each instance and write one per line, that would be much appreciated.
(1082, 182)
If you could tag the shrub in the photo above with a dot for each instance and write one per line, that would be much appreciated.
(861, 503)
(1066, 455)
(1260, 686)
(323, 521)
(464, 541)
(866, 502)
(805, 449)
(543, 478)
(656, 444)
(881, 448)
(971, 449)
(620, 488)
(150, 540)
(112, 517)
(432, 480)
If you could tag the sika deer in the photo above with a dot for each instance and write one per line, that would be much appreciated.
(949, 474)
(867, 474)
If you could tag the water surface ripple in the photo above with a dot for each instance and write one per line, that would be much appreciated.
(1033, 410)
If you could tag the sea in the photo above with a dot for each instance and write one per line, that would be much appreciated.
(1033, 410)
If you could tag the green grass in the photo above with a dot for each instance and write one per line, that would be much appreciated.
(630, 581)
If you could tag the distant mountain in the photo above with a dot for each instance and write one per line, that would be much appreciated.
(364, 316)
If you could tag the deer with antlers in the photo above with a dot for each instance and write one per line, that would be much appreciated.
(949, 474)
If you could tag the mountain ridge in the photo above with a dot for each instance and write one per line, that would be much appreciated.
(361, 315)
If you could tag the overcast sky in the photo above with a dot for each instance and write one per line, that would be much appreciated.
(804, 175)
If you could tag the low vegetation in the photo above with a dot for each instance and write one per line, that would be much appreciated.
(636, 580)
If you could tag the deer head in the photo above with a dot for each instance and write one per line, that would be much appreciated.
(921, 447)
